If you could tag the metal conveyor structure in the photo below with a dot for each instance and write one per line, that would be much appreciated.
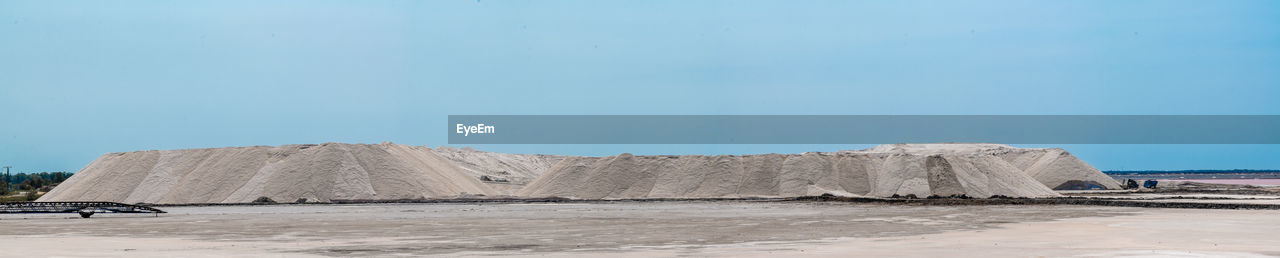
(85, 209)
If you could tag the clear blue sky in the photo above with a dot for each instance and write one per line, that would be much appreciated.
(83, 78)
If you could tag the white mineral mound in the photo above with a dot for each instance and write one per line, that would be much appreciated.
(516, 168)
(923, 170)
(1053, 167)
(235, 175)
(505, 173)
(1057, 168)
(335, 171)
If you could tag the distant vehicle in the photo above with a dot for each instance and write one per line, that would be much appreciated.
(1130, 184)
(1149, 184)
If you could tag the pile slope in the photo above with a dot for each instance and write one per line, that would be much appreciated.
(335, 171)
(1053, 167)
(514, 168)
(943, 170)
(505, 173)
(286, 173)
(1058, 169)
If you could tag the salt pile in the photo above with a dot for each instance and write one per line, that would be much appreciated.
(505, 173)
(1057, 168)
(514, 168)
(1053, 167)
(975, 170)
(286, 173)
(335, 171)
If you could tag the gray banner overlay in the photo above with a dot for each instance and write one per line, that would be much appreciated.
(864, 129)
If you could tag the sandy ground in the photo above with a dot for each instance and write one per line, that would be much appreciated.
(1193, 198)
(1150, 233)
(645, 229)
(1237, 181)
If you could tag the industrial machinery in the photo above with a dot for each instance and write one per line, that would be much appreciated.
(85, 209)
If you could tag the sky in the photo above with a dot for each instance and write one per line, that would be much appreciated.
(82, 78)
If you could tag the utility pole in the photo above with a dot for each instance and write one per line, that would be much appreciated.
(6, 178)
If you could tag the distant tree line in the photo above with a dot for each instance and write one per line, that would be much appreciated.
(42, 181)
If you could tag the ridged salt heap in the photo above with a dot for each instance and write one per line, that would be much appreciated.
(515, 168)
(1053, 167)
(335, 171)
(322, 172)
(505, 173)
(975, 170)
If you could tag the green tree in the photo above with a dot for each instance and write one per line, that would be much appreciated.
(25, 181)
(33, 182)
(32, 196)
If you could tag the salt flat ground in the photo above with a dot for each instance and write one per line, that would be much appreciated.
(642, 229)
(1238, 181)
